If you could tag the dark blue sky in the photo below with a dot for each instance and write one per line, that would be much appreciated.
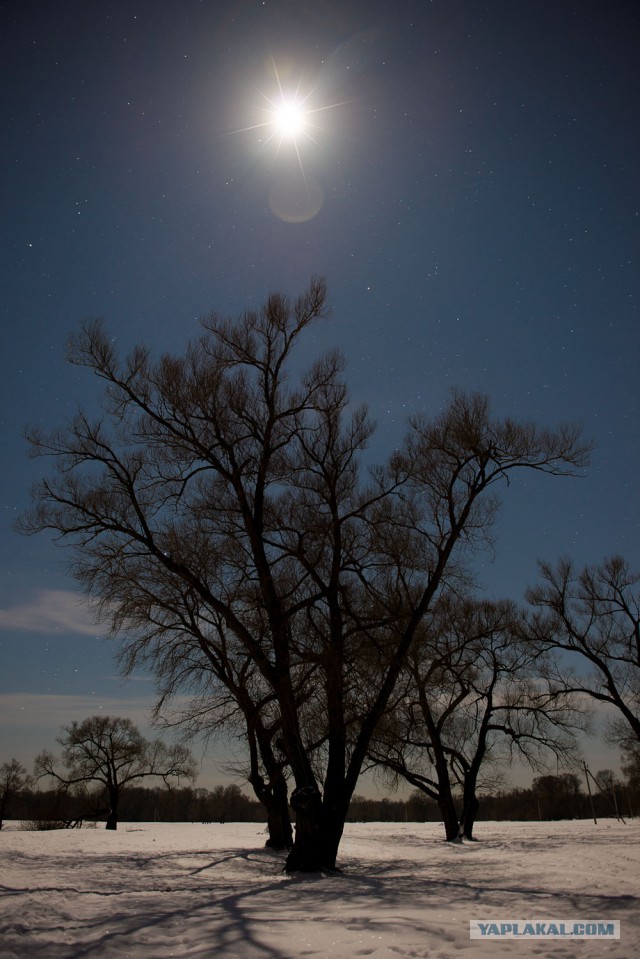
(472, 169)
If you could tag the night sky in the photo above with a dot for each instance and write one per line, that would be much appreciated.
(466, 179)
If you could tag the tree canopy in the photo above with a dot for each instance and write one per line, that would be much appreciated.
(592, 614)
(219, 514)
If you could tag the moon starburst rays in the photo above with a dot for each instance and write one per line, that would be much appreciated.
(288, 120)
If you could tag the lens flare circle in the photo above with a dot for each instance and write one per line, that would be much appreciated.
(295, 199)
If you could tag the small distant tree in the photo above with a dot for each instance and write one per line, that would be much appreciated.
(558, 797)
(610, 787)
(631, 765)
(110, 750)
(606, 779)
(13, 778)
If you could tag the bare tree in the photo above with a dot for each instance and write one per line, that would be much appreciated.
(109, 750)
(472, 699)
(13, 779)
(215, 481)
(630, 766)
(593, 614)
(557, 796)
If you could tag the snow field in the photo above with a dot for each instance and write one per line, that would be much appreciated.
(160, 890)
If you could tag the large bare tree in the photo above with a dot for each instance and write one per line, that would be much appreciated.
(218, 477)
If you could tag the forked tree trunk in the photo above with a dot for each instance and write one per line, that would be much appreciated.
(318, 833)
(446, 801)
(445, 796)
(272, 794)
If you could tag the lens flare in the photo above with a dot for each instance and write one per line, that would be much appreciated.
(290, 118)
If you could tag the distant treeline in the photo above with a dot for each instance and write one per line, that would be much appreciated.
(549, 797)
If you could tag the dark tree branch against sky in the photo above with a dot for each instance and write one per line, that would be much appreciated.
(465, 176)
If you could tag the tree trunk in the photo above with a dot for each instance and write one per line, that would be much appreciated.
(449, 818)
(445, 796)
(470, 808)
(470, 803)
(275, 801)
(445, 799)
(318, 833)
(274, 794)
(112, 816)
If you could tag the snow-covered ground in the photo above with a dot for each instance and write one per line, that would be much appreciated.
(157, 890)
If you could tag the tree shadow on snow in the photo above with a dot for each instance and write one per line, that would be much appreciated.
(240, 903)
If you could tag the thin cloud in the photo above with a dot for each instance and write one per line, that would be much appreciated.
(24, 710)
(52, 611)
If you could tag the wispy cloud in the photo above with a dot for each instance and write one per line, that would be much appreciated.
(52, 611)
(24, 710)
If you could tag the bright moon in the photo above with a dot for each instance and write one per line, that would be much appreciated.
(289, 118)
(287, 121)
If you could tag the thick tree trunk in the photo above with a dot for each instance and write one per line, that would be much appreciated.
(278, 818)
(470, 803)
(318, 833)
(272, 794)
(446, 801)
(449, 818)
(470, 806)
(307, 852)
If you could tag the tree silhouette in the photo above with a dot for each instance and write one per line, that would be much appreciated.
(109, 750)
(216, 488)
(13, 778)
(592, 614)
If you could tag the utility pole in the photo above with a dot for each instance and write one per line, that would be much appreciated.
(586, 775)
